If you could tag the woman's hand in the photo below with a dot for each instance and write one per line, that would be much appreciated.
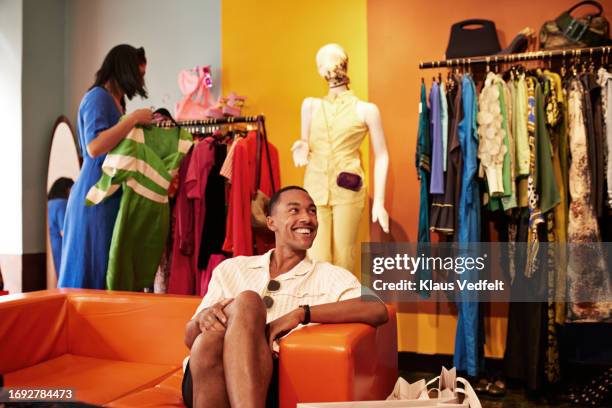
(142, 116)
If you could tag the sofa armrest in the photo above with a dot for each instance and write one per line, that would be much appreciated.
(32, 329)
(338, 362)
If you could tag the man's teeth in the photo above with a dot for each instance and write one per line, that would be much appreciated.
(303, 230)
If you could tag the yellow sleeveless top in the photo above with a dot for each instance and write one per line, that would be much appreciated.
(336, 132)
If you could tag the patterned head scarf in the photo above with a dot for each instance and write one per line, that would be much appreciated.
(332, 63)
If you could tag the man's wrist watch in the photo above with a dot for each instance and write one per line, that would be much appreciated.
(306, 314)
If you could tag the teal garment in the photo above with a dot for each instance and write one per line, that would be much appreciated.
(143, 164)
(423, 157)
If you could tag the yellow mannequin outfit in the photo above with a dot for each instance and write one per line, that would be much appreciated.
(336, 132)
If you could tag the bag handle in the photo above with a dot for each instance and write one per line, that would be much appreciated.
(474, 21)
(590, 3)
(262, 136)
(469, 392)
(203, 95)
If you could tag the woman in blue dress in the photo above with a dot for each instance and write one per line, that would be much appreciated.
(88, 230)
(56, 211)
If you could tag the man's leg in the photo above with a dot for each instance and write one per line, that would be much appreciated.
(247, 358)
(206, 366)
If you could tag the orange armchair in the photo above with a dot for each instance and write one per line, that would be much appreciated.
(125, 350)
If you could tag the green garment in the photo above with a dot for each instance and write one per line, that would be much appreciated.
(509, 198)
(520, 127)
(545, 182)
(143, 164)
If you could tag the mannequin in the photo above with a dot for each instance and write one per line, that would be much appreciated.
(332, 130)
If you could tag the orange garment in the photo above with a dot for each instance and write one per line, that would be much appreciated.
(239, 237)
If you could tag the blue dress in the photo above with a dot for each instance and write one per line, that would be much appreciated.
(56, 209)
(469, 337)
(88, 230)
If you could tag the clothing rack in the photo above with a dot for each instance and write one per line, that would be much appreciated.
(512, 58)
(208, 126)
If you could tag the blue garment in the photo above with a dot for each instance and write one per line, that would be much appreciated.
(56, 210)
(88, 230)
(469, 199)
(468, 340)
(437, 156)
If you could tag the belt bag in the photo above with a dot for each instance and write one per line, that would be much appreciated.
(566, 31)
(350, 181)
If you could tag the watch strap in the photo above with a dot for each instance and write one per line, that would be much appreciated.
(306, 314)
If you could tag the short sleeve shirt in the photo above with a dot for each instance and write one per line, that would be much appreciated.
(309, 282)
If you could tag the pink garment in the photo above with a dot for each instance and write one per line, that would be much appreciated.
(190, 210)
(196, 102)
(215, 259)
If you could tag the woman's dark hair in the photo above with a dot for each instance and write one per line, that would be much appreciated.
(60, 188)
(121, 67)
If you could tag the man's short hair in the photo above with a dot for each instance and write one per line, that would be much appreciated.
(276, 196)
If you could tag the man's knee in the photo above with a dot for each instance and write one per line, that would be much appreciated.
(206, 352)
(248, 304)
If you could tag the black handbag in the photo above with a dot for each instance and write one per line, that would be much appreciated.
(472, 42)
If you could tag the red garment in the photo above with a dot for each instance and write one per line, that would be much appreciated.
(190, 210)
(215, 259)
(239, 234)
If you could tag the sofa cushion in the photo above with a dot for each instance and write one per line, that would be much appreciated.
(99, 325)
(96, 381)
(165, 394)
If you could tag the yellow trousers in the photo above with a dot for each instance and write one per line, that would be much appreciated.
(337, 234)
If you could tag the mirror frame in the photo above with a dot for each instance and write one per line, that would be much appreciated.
(51, 274)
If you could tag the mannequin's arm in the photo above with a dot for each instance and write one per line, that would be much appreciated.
(381, 165)
(300, 148)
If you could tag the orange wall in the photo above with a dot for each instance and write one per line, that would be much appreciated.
(400, 34)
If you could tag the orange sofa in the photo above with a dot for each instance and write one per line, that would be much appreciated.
(123, 349)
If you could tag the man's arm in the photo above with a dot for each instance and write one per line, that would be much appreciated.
(372, 312)
(355, 310)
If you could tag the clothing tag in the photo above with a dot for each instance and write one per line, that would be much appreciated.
(420, 107)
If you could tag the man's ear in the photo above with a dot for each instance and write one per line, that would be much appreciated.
(270, 223)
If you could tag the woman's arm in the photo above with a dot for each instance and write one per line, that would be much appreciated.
(106, 140)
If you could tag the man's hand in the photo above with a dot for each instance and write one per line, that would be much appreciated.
(283, 325)
(213, 318)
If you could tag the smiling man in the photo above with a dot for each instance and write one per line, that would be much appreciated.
(253, 301)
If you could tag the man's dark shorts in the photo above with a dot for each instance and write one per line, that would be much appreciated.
(271, 401)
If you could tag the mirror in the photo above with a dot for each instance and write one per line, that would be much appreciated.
(63, 170)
